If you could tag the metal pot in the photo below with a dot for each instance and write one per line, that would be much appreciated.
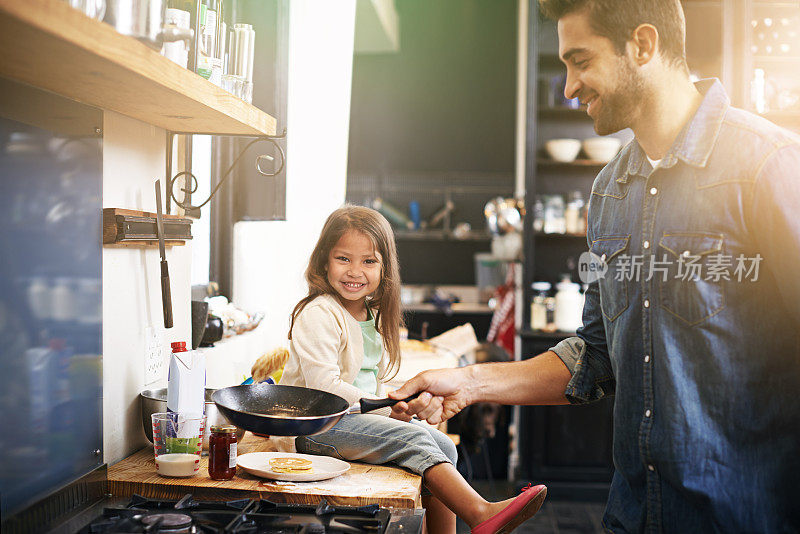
(144, 20)
(155, 401)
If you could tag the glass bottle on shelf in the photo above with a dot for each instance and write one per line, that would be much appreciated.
(569, 305)
(554, 222)
(573, 214)
(539, 305)
(538, 215)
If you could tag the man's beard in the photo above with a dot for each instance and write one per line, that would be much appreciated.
(618, 107)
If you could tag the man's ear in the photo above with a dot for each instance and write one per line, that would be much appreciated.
(645, 40)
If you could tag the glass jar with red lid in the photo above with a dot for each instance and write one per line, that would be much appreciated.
(222, 452)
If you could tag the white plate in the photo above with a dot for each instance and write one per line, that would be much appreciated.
(323, 467)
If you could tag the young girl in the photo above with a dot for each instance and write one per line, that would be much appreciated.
(344, 338)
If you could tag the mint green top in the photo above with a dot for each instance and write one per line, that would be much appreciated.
(367, 378)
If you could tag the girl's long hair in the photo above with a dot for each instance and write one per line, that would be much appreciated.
(385, 301)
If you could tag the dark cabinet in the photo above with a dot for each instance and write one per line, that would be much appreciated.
(566, 447)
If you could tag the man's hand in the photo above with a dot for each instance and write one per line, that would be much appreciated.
(402, 416)
(445, 393)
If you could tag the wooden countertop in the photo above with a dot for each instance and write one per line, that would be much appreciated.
(362, 484)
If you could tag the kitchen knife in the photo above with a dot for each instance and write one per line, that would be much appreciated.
(166, 296)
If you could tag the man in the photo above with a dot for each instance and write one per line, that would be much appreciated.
(705, 368)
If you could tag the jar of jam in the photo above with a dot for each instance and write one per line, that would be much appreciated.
(222, 452)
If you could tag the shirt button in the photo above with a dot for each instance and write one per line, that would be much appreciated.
(653, 191)
(647, 413)
(646, 244)
(651, 467)
(686, 253)
(646, 303)
(647, 359)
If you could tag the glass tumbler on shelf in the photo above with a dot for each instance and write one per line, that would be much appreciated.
(229, 83)
(177, 443)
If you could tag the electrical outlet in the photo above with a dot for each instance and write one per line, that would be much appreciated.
(154, 360)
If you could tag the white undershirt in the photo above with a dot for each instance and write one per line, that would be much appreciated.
(653, 162)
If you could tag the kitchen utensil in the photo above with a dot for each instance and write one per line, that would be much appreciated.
(563, 150)
(503, 216)
(277, 410)
(177, 442)
(155, 401)
(199, 319)
(166, 296)
(322, 467)
(144, 20)
(213, 332)
(602, 149)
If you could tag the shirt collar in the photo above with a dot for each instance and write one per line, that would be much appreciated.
(697, 138)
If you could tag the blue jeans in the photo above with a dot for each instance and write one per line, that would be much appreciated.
(376, 439)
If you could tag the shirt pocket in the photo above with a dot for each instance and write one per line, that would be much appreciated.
(692, 299)
(613, 293)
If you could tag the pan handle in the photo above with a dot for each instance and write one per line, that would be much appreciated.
(368, 405)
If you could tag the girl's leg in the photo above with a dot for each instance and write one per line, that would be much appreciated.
(439, 519)
(447, 484)
(379, 440)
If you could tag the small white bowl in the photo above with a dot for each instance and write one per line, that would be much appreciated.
(602, 149)
(564, 150)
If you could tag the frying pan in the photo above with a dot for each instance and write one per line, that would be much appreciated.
(277, 410)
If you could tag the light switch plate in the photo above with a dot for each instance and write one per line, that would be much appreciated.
(154, 361)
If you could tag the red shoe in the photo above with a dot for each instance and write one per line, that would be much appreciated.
(520, 510)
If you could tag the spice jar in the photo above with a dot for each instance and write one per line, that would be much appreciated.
(222, 452)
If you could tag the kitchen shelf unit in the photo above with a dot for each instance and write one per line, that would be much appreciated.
(545, 451)
(780, 70)
(48, 44)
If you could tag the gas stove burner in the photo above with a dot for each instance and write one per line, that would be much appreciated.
(167, 522)
(186, 516)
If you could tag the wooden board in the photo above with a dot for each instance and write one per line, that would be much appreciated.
(112, 237)
(362, 484)
(48, 44)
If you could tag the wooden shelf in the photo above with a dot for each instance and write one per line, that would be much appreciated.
(563, 113)
(527, 333)
(543, 235)
(441, 235)
(544, 162)
(48, 44)
(790, 60)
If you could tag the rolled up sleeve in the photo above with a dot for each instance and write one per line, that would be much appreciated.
(586, 355)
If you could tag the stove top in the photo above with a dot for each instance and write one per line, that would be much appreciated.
(243, 516)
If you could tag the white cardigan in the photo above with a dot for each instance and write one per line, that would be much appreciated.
(326, 352)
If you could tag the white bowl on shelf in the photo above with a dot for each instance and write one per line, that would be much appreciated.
(602, 149)
(563, 150)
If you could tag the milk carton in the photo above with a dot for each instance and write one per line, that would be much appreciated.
(186, 381)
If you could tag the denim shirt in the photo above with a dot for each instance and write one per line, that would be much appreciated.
(705, 369)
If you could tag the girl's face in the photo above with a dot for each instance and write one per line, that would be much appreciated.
(354, 268)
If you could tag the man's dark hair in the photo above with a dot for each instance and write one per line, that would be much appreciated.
(616, 20)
